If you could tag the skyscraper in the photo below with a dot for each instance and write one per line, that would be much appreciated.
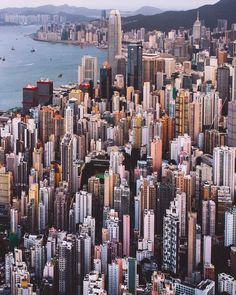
(232, 123)
(197, 30)
(230, 227)
(223, 87)
(87, 71)
(192, 220)
(135, 68)
(114, 37)
(224, 167)
(132, 274)
(106, 81)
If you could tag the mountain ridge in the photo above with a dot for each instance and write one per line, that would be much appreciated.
(74, 10)
(224, 9)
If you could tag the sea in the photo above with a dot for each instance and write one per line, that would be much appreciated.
(22, 67)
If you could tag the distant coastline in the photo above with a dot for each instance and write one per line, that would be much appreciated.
(8, 24)
(67, 42)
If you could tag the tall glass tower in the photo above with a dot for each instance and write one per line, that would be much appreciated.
(135, 65)
(114, 36)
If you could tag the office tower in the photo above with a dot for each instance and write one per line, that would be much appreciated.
(106, 81)
(226, 283)
(230, 227)
(114, 37)
(224, 167)
(192, 223)
(223, 87)
(197, 30)
(14, 220)
(120, 67)
(171, 231)
(156, 154)
(132, 275)
(44, 92)
(150, 68)
(149, 226)
(207, 248)
(182, 113)
(231, 136)
(29, 97)
(208, 217)
(126, 235)
(134, 71)
(83, 206)
(88, 69)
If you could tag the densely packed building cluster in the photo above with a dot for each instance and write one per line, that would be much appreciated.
(125, 185)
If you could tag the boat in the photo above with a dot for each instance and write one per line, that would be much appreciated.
(12, 48)
(32, 50)
(3, 58)
(59, 76)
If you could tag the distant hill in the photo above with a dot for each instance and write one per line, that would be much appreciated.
(147, 10)
(224, 9)
(73, 10)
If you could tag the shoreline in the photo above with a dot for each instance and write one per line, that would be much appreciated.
(66, 42)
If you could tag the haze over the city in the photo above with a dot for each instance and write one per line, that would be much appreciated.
(172, 4)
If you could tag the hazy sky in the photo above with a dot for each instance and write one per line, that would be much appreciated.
(122, 4)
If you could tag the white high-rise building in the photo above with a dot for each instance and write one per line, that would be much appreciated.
(149, 226)
(197, 30)
(224, 167)
(226, 283)
(207, 244)
(230, 227)
(83, 206)
(14, 220)
(69, 120)
(114, 37)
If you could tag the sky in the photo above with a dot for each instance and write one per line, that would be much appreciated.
(122, 4)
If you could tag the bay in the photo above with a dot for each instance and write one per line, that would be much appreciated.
(22, 67)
